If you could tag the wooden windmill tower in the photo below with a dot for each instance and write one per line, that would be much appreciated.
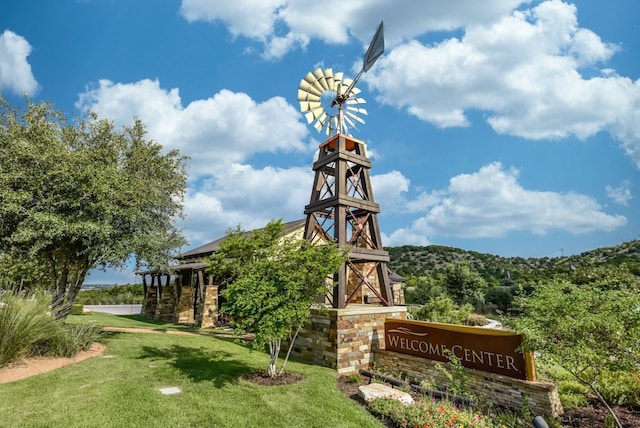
(342, 207)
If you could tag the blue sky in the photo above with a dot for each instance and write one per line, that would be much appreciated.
(502, 126)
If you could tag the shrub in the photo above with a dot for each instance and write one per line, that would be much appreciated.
(573, 394)
(27, 328)
(444, 309)
(620, 387)
(68, 340)
(427, 413)
(77, 309)
(476, 320)
(24, 321)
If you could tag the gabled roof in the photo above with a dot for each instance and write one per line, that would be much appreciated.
(210, 247)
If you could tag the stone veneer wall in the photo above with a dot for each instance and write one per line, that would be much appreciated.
(344, 339)
(500, 390)
(208, 308)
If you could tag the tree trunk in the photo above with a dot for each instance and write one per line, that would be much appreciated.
(292, 342)
(274, 351)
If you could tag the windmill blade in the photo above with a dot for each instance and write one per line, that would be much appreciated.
(328, 75)
(308, 88)
(309, 105)
(320, 79)
(314, 114)
(353, 117)
(352, 101)
(357, 110)
(307, 96)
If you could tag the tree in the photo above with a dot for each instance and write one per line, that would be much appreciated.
(464, 284)
(271, 282)
(585, 328)
(81, 196)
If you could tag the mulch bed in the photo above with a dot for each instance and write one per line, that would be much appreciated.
(261, 378)
(596, 415)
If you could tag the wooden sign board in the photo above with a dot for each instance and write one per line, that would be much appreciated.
(477, 348)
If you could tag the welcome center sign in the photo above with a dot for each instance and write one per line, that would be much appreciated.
(490, 350)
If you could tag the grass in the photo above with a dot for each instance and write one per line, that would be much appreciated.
(127, 321)
(121, 388)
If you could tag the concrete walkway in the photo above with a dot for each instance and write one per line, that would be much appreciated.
(115, 309)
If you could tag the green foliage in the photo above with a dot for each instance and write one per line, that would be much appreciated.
(620, 387)
(443, 309)
(431, 261)
(24, 321)
(573, 395)
(420, 289)
(132, 294)
(427, 413)
(455, 374)
(84, 195)
(587, 329)
(77, 309)
(354, 378)
(464, 285)
(67, 341)
(271, 282)
(501, 296)
(27, 328)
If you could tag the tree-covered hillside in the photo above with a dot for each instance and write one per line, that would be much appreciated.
(412, 260)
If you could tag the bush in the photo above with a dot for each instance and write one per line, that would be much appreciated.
(573, 395)
(620, 387)
(68, 340)
(77, 309)
(427, 413)
(24, 321)
(444, 309)
(27, 328)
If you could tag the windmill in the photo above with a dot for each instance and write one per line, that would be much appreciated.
(342, 207)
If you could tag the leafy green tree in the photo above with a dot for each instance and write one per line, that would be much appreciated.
(271, 282)
(464, 285)
(586, 328)
(420, 289)
(84, 195)
(442, 308)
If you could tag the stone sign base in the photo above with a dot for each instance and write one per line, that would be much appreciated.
(501, 390)
(344, 339)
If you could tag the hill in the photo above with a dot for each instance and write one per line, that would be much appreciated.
(410, 260)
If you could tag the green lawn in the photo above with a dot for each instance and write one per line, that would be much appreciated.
(121, 388)
(136, 321)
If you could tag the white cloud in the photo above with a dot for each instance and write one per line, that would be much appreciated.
(491, 203)
(525, 70)
(389, 190)
(285, 25)
(15, 70)
(215, 132)
(620, 195)
(533, 71)
(241, 194)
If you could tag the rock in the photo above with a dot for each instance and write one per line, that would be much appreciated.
(378, 390)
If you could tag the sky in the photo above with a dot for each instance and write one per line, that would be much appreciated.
(500, 126)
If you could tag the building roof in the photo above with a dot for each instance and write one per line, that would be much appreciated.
(210, 247)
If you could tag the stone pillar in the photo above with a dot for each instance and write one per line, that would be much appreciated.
(209, 310)
(184, 306)
(344, 339)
